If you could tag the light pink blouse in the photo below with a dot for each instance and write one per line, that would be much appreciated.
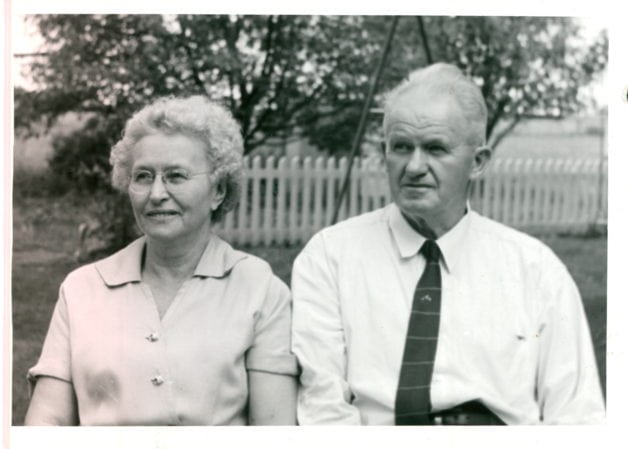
(128, 367)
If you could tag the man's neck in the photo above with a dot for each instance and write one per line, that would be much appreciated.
(433, 229)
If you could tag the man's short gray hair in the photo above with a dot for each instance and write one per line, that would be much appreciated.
(443, 78)
(195, 117)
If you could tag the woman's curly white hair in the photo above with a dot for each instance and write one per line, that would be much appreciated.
(196, 117)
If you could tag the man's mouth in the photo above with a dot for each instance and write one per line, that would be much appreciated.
(417, 185)
(161, 213)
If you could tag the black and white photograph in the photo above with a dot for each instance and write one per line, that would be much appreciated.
(311, 219)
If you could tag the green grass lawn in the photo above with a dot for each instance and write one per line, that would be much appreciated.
(45, 237)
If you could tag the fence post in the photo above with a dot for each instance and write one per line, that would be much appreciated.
(306, 199)
(506, 178)
(281, 228)
(517, 187)
(341, 213)
(330, 180)
(293, 208)
(319, 179)
(268, 199)
(243, 216)
(255, 229)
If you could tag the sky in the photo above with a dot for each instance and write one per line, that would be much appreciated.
(24, 39)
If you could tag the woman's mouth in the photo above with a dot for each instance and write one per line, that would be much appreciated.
(161, 213)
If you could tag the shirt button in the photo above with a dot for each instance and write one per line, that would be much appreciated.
(157, 380)
(152, 337)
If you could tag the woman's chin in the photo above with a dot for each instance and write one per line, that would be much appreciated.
(162, 233)
(173, 234)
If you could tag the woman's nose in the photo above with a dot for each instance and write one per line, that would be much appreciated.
(158, 189)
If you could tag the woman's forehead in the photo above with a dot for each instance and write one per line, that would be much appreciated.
(169, 150)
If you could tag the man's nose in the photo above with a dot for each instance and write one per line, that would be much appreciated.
(418, 162)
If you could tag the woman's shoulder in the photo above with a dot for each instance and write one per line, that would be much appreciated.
(241, 266)
(250, 276)
(242, 262)
(118, 268)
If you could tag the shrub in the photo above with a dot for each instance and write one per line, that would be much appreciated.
(80, 159)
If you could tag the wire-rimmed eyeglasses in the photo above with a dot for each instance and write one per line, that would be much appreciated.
(173, 179)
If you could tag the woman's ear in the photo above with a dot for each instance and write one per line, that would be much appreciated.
(219, 192)
(481, 158)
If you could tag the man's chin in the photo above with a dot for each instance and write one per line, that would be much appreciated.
(419, 208)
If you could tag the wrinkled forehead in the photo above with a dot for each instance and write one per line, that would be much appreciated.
(158, 149)
(421, 108)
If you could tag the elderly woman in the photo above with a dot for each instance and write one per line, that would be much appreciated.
(177, 328)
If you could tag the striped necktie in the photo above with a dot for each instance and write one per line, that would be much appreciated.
(412, 404)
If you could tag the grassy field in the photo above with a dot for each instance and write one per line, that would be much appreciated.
(549, 146)
(45, 238)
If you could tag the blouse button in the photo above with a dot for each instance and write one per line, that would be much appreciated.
(157, 380)
(152, 337)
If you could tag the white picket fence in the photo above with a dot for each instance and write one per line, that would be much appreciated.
(286, 201)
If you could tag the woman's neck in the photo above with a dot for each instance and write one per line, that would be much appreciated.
(174, 259)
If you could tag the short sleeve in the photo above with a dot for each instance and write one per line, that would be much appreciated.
(55, 358)
(270, 351)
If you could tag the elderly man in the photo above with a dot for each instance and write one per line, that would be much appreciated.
(425, 312)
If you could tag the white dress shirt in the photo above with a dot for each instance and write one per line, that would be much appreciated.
(513, 333)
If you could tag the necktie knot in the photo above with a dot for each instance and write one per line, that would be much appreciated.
(430, 251)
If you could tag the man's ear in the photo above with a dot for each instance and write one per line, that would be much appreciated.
(481, 158)
(220, 191)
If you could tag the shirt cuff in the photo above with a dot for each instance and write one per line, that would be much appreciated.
(284, 363)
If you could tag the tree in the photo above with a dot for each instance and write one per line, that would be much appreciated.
(269, 70)
(283, 77)
(525, 66)
(296, 76)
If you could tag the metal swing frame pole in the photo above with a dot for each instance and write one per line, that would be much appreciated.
(357, 140)
(426, 46)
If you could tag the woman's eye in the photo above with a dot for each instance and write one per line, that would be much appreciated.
(176, 176)
(143, 177)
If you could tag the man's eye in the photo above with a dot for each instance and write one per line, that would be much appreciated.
(402, 147)
(143, 177)
(435, 148)
(176, 176)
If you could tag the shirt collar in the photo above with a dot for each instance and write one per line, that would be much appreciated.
(218, 259)
(126, 265)
(409, 241)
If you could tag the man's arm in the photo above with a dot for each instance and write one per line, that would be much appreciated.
(568, 385)
(318, 340)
